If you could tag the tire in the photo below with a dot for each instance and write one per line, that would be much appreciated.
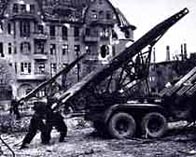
(154, 125)
(122, 125)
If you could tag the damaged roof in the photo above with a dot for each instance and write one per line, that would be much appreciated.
(65, 10)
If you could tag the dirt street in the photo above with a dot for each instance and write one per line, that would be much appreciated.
(84, 142)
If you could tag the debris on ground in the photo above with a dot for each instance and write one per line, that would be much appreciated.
(85, 142)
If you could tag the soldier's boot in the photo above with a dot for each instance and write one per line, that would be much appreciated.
(28, 138)
(45, 138)
(63, 131)
(62, 136)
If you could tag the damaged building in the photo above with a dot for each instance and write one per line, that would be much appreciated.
(40, 37)
(171, 70)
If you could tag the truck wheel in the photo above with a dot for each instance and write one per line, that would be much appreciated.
(154, 125)
(122, 125)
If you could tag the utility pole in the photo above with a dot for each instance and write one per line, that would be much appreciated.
(78, 67)
(167, 53)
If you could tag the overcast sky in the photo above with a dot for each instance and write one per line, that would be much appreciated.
(145, 14)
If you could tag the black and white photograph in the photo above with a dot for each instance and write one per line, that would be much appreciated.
(97, 78)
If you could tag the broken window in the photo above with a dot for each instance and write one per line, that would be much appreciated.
(1, 50)
(52, 31)
(105, 33)
(9, 48)
(127, 33)
(15, 50)
(40, 29)
(52, 49)
(15, 8)
(65, 49)
(108, 15)
(39, 47)
(88, 31)
(25, 67)
(15, 67)
(94, 14)
(77, 48)
(88, 49)
(114, 35)
(104, 51)
(40, 68)
(101, 14)
(53, 68)
(23, 8)
(25, 28)
(64, 33)
(9, 28)
(1, 27)
(76, 33)
(32, 8)
(29, 68)
(25, 48)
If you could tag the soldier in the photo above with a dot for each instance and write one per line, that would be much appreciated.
(37, 123)
(14, 108)
(52, 119)
(55, 119)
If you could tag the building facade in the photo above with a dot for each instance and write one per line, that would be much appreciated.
(40, 37)
(168, 72)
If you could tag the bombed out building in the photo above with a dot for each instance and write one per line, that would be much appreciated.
(40, 37)
(171, 70)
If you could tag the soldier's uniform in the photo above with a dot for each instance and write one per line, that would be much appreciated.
(55, 119)
(14, 108)
(52, 119)
(37, 123)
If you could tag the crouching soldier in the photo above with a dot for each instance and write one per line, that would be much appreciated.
(44, 119)
(37, 123)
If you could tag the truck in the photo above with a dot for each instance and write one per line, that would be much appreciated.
(110, 97)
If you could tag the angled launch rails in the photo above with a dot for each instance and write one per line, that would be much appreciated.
(122, 59)
(186, 86)
(106, 96)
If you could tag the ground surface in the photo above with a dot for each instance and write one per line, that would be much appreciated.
(84, 142)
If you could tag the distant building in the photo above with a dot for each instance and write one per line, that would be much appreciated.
(39, 37)
(6, 78)
(169, 71)
(160, 74)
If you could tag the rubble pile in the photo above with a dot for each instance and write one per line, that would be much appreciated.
(8, 123)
